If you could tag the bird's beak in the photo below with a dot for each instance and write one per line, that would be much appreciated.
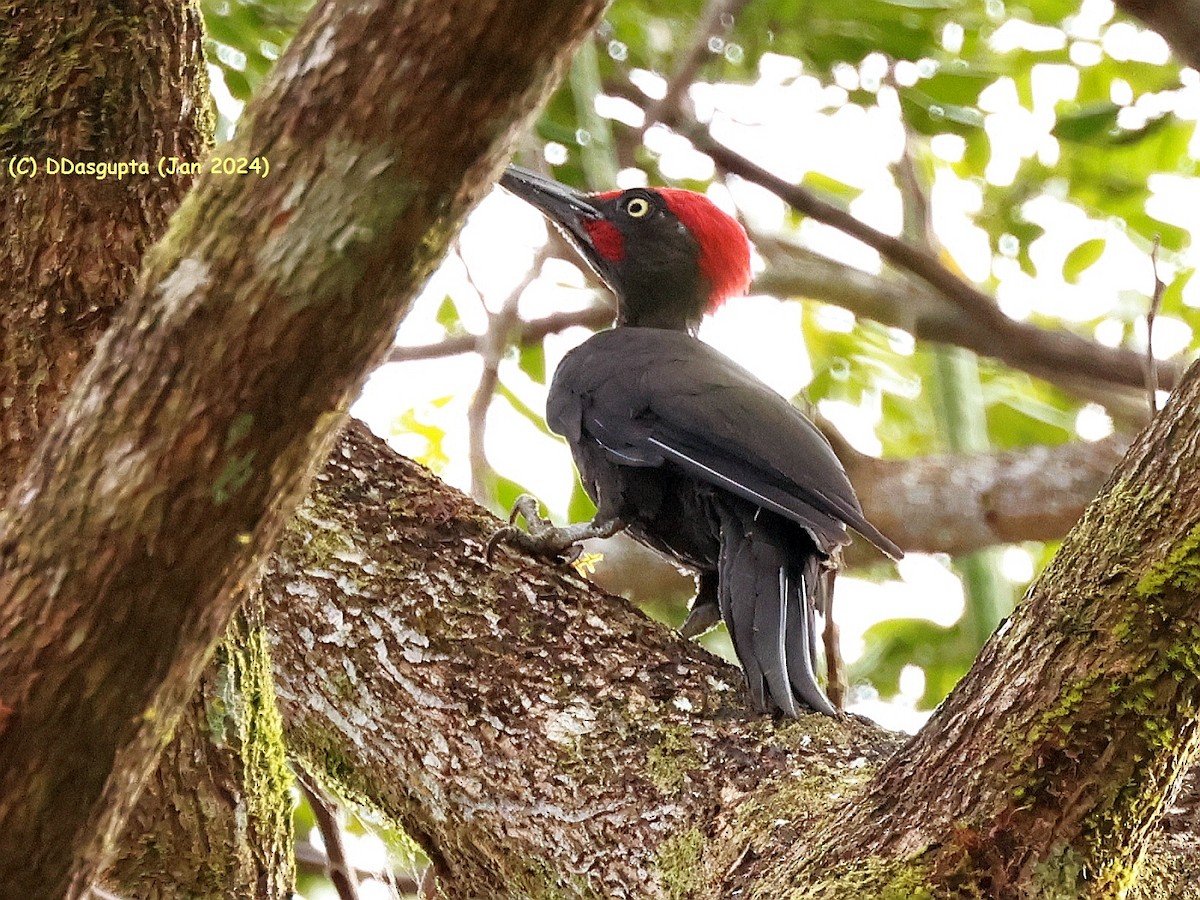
(566, 207)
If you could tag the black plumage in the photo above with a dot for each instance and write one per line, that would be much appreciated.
(689, 452)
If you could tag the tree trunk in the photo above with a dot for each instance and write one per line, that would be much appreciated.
(86, 82)
(214, 821)
(184, 444)
(1049, 766)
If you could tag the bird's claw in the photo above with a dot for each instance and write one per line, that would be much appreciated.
(701, 617)
(542, 538)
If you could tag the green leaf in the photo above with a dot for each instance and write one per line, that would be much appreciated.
(536, 418)
(833, 189)
(447, 316)
(237, 84)
(504, 491)
(929, 117)
(580, 508)
(1172, 298)
(1087, 123)
(960, 87)
(532, 360)
(1083, 256)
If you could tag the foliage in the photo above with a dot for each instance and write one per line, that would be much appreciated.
(1048, 135)
(245, 37)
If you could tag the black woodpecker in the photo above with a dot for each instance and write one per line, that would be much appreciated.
(686, 450)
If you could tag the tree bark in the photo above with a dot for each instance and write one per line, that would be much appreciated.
(85, 82)
(960, 503)
(214, 820)
(184, 445)
(532, 733)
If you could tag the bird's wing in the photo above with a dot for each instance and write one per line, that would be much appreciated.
(670, 397)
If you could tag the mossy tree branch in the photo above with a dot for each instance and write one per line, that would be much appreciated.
(538, 736)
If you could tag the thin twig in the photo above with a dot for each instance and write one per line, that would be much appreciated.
(496, 341)
(1151, 314)
(338, 868)
(312, 859)
(718, 17)
(532, 332)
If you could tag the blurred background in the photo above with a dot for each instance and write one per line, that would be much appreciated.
(1041, 155)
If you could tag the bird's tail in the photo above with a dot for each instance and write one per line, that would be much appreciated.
(770, 585)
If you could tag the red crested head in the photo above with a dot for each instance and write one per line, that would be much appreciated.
(668, 254)
(724, 249)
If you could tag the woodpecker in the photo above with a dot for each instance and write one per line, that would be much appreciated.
(684, 449)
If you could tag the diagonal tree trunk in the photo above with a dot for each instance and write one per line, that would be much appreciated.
(184, 445)
(1052, 761)
(213, 821)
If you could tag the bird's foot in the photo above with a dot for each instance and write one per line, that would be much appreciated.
(545, 539)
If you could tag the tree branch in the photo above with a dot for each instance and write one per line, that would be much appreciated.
(962, 503)
(717, 18)
(337, 867)
(214, 821)
(795, 271)
(527, 334)
(494, 343)
(214, 818)
(536, 735)
(64, 269)
(1029, 345)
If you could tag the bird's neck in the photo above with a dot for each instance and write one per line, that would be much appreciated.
(661, 309)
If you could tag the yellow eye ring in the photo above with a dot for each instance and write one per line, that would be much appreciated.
(638, 207)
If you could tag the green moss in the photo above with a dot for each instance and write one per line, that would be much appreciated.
(679, 863)
(1059, 876)
(267, 774)
(540, 881)
(874, 878)
(1179, 571)
(670, 760)
(233, 477)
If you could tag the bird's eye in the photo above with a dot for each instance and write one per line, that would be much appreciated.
(637, 207)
